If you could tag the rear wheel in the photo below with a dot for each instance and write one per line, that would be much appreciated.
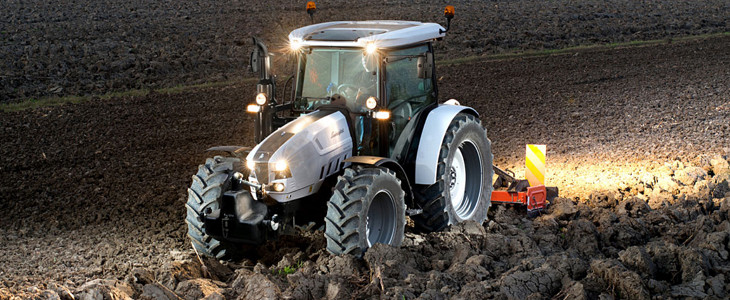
(209, 183)
(463, 186)
(366, 208)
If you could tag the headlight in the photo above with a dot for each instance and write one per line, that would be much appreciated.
(261, 99)
(370, 103)
(278, 187)
(280, 166)
(370, 48)
(295, 44)
(251, 165)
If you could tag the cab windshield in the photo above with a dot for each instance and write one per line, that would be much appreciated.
(336, 76)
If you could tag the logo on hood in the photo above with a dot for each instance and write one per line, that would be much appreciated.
(337, 133)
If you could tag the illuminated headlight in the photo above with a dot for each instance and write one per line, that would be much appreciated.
(295, 44)
(280, 166)
(370, 103)
(278, 187)
(370, 48)
(261, 99)
(250, 165)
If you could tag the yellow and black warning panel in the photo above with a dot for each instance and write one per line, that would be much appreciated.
(530, 192)
(535, 164)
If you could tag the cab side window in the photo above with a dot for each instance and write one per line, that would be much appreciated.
(407, 94)
(403, 87)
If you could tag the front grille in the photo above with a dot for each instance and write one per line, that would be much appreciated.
(262, 172)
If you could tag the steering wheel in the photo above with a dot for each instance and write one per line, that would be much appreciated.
(410, 100)
(343, 87)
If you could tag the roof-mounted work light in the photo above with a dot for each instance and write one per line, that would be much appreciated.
(370, 48)
(295, 44)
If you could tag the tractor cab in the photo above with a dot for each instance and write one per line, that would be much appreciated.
(381, 72)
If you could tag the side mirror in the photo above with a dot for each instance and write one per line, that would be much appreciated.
(425, 65)
(255, 60)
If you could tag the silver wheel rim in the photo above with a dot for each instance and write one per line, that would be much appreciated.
(380, 223)
(457, 183)
(465, 179)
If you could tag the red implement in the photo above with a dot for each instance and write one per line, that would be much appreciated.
(535, 198)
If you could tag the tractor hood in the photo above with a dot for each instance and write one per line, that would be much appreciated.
(310, 147)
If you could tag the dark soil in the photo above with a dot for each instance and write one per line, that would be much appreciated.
(638, 142)
(72, 47)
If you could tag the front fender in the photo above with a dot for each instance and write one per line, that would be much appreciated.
(390, 164)
(434, 130)
(237, 151)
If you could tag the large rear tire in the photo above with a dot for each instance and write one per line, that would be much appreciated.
(463, 186)
(366, 208)
(204, 195)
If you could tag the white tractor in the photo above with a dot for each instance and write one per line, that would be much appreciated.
(362, 143)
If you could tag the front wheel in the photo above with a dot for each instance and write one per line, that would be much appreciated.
(463, 186)
(366, 208)
(212, 180)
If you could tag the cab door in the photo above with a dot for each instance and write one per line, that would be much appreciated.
(408, 88)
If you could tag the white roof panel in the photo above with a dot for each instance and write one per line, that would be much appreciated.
(386, 34)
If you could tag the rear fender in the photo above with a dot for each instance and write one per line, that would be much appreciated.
(434, 130)
(391, 165)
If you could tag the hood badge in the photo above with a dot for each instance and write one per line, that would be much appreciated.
(337, 133)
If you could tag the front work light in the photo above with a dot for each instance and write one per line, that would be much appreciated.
(295, 44)
(251, 165)
(253, 108)
(261, 99)
(370, 103)
(370, 48)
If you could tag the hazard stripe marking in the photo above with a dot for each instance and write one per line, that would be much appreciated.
(538, 151)
(535, 164)
(535, 172)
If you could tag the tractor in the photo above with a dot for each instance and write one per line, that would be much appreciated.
(360, 143)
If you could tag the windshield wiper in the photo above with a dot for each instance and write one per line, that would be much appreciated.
(394, 58)
(306, 103)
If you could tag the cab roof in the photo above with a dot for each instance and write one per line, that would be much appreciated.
(386, 34)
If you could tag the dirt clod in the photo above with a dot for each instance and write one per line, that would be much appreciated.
(200, 289)
(628, 283)
(105, 289)
(636, 258)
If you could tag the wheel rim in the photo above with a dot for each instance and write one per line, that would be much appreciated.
(465, 179)
(380, 226)
(457, 183)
